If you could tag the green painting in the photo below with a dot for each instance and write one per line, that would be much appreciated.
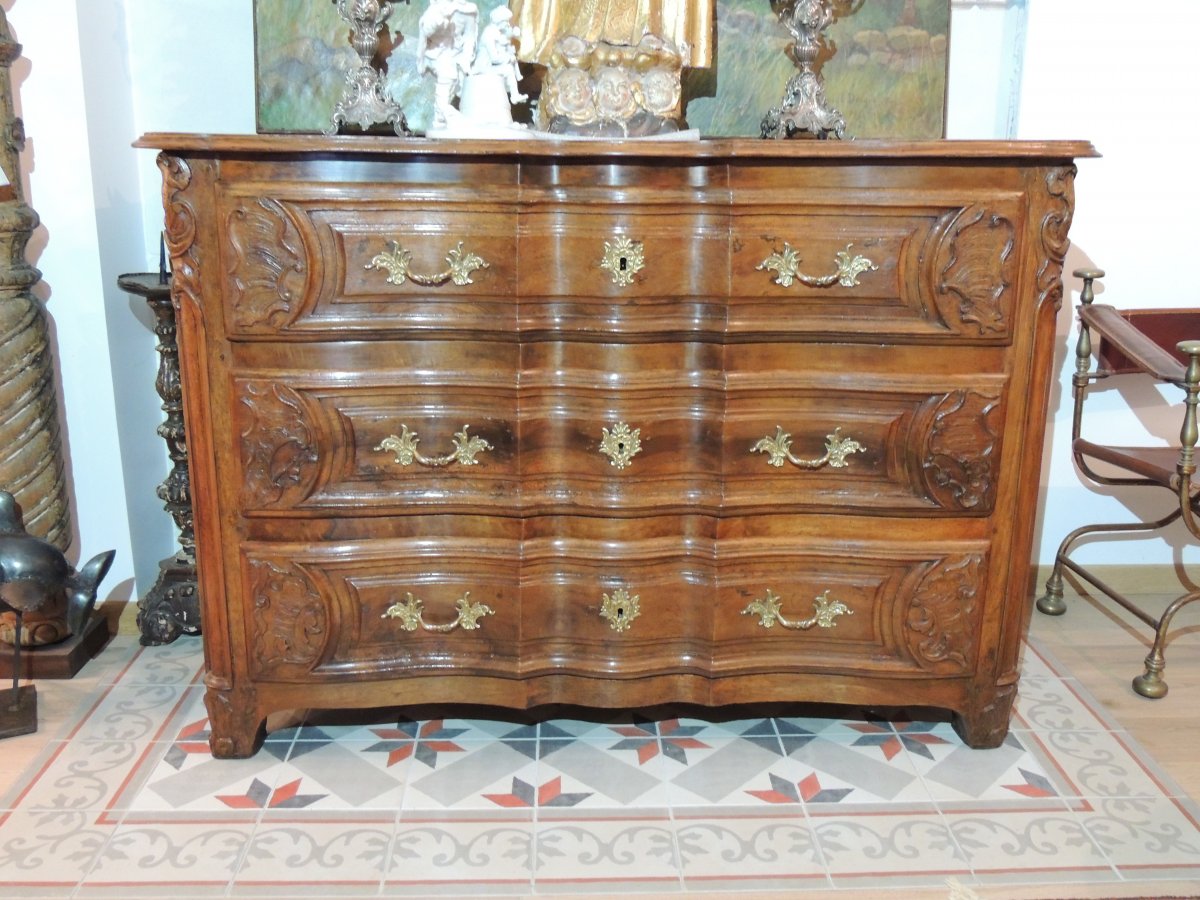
(888, 76)
(302, 53)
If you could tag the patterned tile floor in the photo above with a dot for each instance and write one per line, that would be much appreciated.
(127, 802)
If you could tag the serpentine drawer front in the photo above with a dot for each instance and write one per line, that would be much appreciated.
(613, 423)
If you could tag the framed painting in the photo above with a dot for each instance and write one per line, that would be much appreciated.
(302, 54)
(887, 77)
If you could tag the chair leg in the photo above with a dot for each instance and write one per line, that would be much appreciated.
(1051, 603)
(1150, 683)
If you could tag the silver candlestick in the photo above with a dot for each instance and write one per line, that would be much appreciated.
(804, 111)
(365, 101)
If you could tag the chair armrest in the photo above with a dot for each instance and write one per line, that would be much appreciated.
(1140, 350)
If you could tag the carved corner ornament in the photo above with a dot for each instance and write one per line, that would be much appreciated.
(1056, 204)
(279, 448)
(290, 619)
(268, 271)
(961, 450)
(975, 262)
(943, 613)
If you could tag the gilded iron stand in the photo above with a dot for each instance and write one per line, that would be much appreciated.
(172, 606)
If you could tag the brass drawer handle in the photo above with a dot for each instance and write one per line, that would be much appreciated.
(623, 258)
(404, 446)
(778, 449)
(621, 444)
(824, 616)
(620, 609)
(409, 612)
(786, 266)
(397, 261)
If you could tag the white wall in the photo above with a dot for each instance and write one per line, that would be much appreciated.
(187, 65)
(1128, 84)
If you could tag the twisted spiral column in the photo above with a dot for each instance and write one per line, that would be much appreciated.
(32, 466)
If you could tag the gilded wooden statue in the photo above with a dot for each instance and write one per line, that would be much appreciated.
(614, 67)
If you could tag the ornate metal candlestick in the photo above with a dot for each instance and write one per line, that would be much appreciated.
(365, 101)
(172, 606)
(804, 109)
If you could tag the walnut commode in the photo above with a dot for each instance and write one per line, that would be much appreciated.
(614, 423)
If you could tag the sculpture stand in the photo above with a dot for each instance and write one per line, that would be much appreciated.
(18, 706)
(18, 711)
(612, 90)
(62, 660)
(804, 111)
(172, 606)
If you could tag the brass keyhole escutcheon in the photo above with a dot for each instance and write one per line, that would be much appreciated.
(623, 258)
(621, 444)
(620, 608)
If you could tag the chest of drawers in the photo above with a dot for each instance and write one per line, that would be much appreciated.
(613, 424)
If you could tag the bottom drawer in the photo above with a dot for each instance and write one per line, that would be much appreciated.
(869, 610)
(382, 608)
(612, 599)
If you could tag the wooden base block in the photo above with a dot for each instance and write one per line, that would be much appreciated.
(61, 660)
(18, 715)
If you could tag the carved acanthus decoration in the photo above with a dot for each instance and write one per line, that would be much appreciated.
(290, 619)
(962, 450)
(1057, 206)
(268, 269)
(180, 234)
(975, 271)
(279, 456)
(943, 613)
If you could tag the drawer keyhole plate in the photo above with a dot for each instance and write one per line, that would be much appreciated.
(623, 258)
(620, 608)
(621, 444)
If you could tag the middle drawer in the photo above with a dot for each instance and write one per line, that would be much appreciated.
(561, 428)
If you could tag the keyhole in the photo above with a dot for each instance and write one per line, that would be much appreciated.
(624, 264)
(620, 612)
(621, 446)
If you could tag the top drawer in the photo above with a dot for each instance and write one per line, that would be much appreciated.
(364, 259)
(933, 272)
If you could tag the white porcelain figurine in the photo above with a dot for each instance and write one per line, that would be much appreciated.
(446, 49)
(487, 88)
